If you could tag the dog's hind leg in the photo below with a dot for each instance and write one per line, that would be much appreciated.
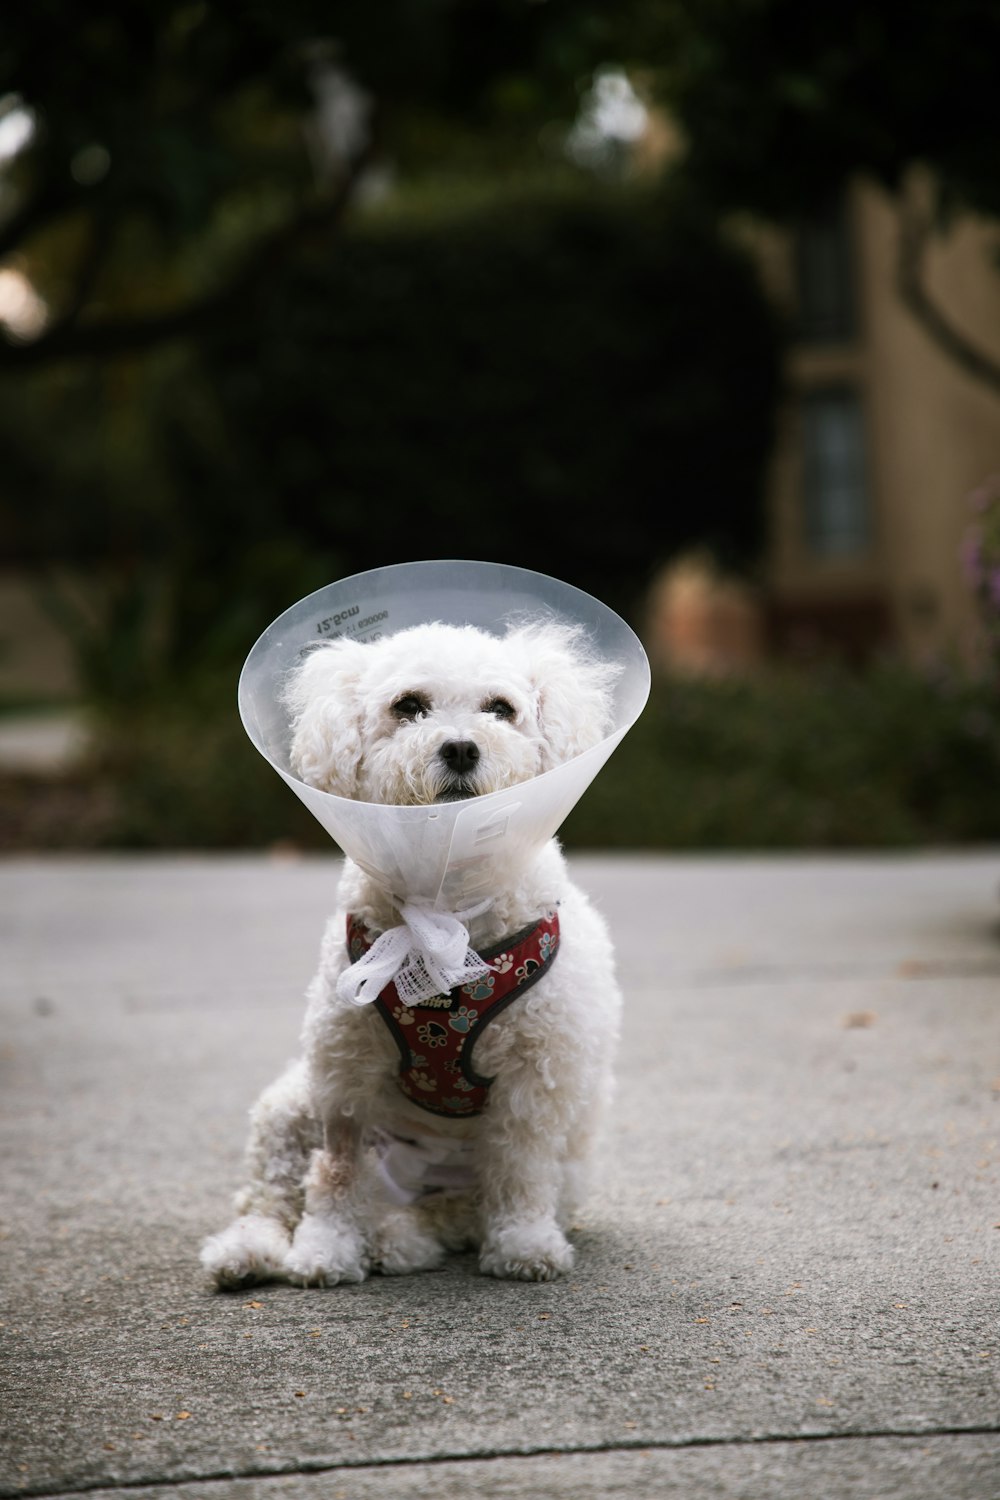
(283, 1135)
(404, 1242)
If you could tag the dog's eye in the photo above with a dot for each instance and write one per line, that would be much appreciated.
(500, 708)
(410, 706)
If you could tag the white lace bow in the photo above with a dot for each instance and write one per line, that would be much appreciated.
(426, 955)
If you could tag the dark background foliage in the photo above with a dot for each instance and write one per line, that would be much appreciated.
(541, 382)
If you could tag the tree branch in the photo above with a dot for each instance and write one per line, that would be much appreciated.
(73, 336)
(915, 229)
(37, 209)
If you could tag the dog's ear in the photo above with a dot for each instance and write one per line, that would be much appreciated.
(324, 701)
(574, 688)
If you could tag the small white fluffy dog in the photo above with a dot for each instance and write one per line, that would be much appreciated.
(403, 1132)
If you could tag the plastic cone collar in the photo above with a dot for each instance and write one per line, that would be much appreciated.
(450, 855)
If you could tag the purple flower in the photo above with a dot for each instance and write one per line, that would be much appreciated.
(985, 495)
(972, 558)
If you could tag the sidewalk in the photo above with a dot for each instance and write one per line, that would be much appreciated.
(790, 1287)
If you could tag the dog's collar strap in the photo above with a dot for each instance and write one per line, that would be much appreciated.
(435, 1037)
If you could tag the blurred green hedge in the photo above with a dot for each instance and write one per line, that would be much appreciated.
(581, 386)
(829, 759)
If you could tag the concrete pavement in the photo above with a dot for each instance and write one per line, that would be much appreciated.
(790, 1284)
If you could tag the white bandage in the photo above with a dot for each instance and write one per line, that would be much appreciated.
(428, 954)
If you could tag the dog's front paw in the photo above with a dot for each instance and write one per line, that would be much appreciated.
(253, 1248)
(325, 1251)
(526, 1252)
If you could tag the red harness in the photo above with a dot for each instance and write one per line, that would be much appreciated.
(436, 1070)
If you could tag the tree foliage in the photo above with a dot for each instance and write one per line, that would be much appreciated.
(177, 160)
(783, 103)
(183, 148)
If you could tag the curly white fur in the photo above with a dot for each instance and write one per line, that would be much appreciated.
(392, 722)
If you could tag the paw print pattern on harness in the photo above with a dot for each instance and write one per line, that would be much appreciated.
(456, 1078)
(462, 1019)
(480, 989)
(547, 944)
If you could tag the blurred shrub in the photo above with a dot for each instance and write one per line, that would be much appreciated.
(189, 778)
(887, 759)
(828, 759)
(981, 564)
(576, 384)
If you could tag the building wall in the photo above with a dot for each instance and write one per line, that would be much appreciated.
(936, 428)
(932, 433)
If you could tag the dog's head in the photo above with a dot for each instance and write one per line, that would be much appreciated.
(441, 712)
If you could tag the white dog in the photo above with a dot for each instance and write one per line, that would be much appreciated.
(467, 1119)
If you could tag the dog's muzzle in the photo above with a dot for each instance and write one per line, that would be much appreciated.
(460, 759)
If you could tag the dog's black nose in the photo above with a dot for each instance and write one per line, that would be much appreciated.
(459, 755)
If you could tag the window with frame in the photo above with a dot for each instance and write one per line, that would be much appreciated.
(835, 484)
